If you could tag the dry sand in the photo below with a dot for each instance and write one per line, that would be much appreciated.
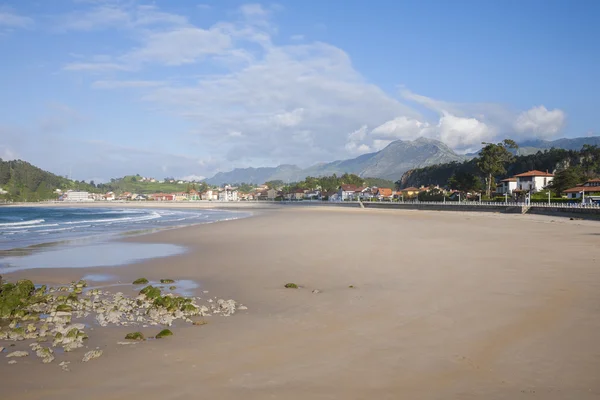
(445, 306)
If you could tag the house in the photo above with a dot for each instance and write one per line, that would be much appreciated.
(272, 194)
(161, 197)
(77, 196)
(506, 186)
(533, 181)
(180, 196)
(228, 194)
(591, 189)
(298, 194)
(384, 193)
(110, 196)
(193, 195)
(347, 192)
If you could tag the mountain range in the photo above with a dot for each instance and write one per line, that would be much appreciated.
(389, 163)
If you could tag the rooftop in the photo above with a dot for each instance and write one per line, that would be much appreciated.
(533, 173)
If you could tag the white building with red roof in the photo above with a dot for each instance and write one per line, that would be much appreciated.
(533, 181)
(506, 186)
(591, 188)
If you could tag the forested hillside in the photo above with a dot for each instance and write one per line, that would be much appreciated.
(25, 182)
(585, 163)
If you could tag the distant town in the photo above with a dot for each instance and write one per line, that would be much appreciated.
(514, 188)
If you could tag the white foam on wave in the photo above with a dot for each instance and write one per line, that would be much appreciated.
(22, 223)
(153, 215)
(31, 226)
(55, 230)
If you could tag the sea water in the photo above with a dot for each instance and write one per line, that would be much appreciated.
(56, 237)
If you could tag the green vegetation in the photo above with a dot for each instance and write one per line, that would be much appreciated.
(493, 159)
(150, 292)
(172, 287)
(167, 281)
(135, 336)
(291, 286)
(164, 333)
(26, 182)
(464, 182)
(572, 168)
(133, 184)
(140, 281)
(330, 183)
(378, 182)
(15, 297)
(64, 308)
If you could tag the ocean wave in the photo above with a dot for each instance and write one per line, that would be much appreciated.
(30, 222)
(31, 226)
(153, 215)
(54, 230)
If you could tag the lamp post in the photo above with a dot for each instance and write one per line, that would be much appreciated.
(479, 194)
(506, 198)
(582, 197)
(549, 197)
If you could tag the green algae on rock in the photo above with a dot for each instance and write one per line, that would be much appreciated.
(141, 281)
(164, 333)
(291, 286)
(135, 336)
(15, 297)
(64, 307)
(150, 292)
(167, 281)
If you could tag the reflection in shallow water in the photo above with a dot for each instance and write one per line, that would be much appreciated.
(97, 255)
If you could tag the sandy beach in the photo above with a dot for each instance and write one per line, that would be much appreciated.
(443, 306)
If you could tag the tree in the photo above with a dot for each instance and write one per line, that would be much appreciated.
(492, 160)
(566, 179)
(464, 182)
(275, 184)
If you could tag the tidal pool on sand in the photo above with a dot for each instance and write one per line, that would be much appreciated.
(96, 255)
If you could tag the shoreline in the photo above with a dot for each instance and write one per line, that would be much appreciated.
(414, 304)
(113, 236)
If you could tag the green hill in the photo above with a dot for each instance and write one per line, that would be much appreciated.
(134, 184)
(25, 182)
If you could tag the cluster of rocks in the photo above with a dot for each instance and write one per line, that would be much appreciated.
(49, 315)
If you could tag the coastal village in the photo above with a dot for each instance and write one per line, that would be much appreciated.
(514, 188)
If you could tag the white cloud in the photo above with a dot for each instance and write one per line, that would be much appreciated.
(541, 121)
(401, 128)
(120, 16)
(9, 19)
(289, 119)
(180, 46)
(297, 37)
(294, 103)
(253, 10)
(191, 178)
(461, 133)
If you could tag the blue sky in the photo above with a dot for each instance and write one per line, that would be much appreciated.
(181, 88)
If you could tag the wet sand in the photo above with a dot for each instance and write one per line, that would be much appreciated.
(444, 306)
